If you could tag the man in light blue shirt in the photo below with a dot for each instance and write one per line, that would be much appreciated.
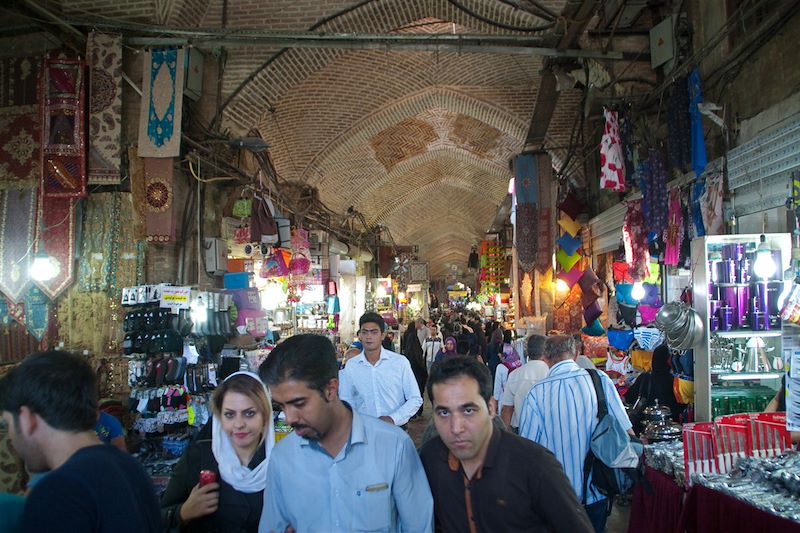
(339, 470)
(560, 413)
(379, 382)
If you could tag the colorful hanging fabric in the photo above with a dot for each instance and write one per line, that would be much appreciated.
(697, 229)
(653, 182)
(162, 103)
(674, 232)
(127, 251)
(37, 313)
(699, 158)
(544, 240)
(626, 140)
(678, 128)
(104, 53)
(17, 230)
(634, 237)
(63, 135)
(20, 123)
(711, 204)
(159, 200)
(56, 237)
(109, 250)
(568, 317)
(612, 161)
(138, 193)
(525, 190)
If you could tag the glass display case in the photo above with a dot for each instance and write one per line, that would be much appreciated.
(738, 283)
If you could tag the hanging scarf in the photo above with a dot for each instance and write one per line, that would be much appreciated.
(699, 158)
(510, 358)
(612, 160)
(240, 477)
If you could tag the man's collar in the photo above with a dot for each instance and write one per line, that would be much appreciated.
(357, 432)
(363, 355)
(563, 366)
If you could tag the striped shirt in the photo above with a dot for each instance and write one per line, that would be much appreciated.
(560, 413)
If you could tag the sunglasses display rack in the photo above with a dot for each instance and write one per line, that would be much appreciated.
(170, 355)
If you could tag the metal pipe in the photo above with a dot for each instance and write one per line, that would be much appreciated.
(492, 44)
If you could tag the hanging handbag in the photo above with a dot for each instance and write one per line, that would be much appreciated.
(263, 227)
(299, 264)
(274, 266)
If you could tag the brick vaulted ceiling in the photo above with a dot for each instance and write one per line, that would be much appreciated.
(417, 141)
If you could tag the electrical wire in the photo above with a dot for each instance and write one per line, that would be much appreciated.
(539, 10)
(496, 24)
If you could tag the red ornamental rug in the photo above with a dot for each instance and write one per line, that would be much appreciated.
(104, 54)
(544, 250)
(63, 136)
(17, 228)
(57, 239)
(527, 235)
(20, 134)
(159, 200)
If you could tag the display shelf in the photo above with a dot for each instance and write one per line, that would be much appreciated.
(746, 334)
(713, 388)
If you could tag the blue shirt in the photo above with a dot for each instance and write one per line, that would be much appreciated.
(108, 427)
(560, 413)
(375, 483)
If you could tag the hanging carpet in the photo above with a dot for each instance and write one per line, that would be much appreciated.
(57, 239)
(104, 53)
(17, 230)
(20, 126)
(162, 103)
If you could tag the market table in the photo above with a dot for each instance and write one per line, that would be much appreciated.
(656, 506)
(708, 510)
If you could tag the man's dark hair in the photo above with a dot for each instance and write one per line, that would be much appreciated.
(534, 348)
(309, 358)
(60, 387)
(372, 318)
(462, 347)
(461, 366)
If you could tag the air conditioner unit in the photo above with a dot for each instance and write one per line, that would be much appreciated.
(216, 256)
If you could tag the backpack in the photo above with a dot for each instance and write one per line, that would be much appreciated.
(614, 458)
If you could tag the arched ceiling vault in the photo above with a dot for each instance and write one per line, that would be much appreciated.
(419, 142)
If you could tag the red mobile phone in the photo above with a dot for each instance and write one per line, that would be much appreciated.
(207, 477)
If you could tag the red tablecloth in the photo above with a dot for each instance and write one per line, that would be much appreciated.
(708, 510)
(657, 508)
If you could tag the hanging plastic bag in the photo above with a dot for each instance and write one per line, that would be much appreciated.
(274, 266)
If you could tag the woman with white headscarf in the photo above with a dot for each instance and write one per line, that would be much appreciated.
(242, 437)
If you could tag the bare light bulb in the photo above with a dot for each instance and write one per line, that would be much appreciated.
(764, 266)
(43, 268)
(637, 291)
(561, 285)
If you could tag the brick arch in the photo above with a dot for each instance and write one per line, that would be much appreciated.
(431, 173)
(295, 65)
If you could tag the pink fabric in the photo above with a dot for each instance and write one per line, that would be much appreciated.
(648, 314)
(612, 162)
(637, 253)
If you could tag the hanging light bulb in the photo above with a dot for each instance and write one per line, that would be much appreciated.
(637, 291)
(561, 285)
(43, 267)
(764, 266)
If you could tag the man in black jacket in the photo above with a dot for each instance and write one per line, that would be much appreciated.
(485, 479)
(50, 405)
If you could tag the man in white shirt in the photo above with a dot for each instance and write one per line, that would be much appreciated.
(521, 380)
(431, 345)
(379, 382)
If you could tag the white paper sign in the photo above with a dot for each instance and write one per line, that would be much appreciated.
(175, 297)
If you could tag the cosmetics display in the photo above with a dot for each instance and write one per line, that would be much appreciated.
(739, 292)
